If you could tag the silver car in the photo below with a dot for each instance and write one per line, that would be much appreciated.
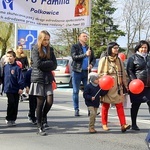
(63, 71)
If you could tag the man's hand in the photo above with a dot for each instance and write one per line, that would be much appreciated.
(88, 52)
(90, 67)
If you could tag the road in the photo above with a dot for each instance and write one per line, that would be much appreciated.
(69, 132)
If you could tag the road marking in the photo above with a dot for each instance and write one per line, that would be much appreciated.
(110, 115)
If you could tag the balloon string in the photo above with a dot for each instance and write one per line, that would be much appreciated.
(97, 92)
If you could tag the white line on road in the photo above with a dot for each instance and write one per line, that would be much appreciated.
(110, 115)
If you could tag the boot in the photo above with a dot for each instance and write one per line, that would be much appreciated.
(92, 130)
(77, 112)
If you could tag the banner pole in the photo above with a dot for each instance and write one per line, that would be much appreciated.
(89, 58)
(16, 36)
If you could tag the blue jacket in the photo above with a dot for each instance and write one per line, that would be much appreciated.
(13, 78)
(89, 92)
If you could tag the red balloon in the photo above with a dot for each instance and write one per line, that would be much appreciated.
(122, 56)
(106, 82)
(19, 64)
(136, 86)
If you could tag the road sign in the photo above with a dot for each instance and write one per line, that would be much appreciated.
(27, 38)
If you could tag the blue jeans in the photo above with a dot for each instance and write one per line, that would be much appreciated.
(77, 77)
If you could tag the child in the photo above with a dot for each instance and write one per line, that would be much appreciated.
(32, 98)
(13, 87)
(92, 95)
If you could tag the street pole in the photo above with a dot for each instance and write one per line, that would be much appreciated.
(16, 36)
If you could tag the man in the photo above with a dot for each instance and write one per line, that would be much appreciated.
(83, 61)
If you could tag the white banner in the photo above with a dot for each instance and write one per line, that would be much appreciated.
(49, 13)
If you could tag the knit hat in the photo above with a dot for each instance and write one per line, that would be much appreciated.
(93, 76)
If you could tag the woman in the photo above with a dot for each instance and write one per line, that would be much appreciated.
(113, 66)
(44, 61)
(138, 67)
(80, 9)
(21, 56)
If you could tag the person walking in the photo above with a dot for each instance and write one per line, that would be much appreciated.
(32, 99)
(43, 63)
(113, 66)
(83, 60)
(4, 58)
(13, 87)
(21, 56)
(138, 67)
(91, 94)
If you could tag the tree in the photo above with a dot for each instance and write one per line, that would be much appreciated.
(65, 37)
(103, 30)
(136, 16)
(5, 38)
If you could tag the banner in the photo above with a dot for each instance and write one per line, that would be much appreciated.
(47, 13)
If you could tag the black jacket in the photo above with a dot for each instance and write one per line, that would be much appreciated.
(78, 55)
(138, 68)
(41, 68)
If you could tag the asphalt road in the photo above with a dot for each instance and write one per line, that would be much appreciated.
(67, 132)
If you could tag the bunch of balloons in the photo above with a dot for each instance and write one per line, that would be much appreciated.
(136, 86)
(106, 82)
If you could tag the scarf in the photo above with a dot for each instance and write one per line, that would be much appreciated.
(113, 64)
(144, 55)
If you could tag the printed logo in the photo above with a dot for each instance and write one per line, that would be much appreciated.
(7, 4)
(12, 71)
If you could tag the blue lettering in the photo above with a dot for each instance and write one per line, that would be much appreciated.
(40, 11)
(55, 2)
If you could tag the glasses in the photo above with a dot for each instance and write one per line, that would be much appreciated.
(143, 47)
(115, 47)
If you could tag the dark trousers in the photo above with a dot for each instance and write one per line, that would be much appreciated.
(134, 111)
(12, 106)
(32, 106)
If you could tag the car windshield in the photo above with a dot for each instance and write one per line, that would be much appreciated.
(62, 62)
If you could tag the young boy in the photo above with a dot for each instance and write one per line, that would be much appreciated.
(13, 87)
(91, 94)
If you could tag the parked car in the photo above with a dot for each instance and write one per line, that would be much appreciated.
(63, 71)
(95, 67)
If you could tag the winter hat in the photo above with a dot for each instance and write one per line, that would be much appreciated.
(110, 46)
(93, 76)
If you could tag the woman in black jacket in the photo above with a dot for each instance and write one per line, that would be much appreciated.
(138, 67)
(44, 61)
